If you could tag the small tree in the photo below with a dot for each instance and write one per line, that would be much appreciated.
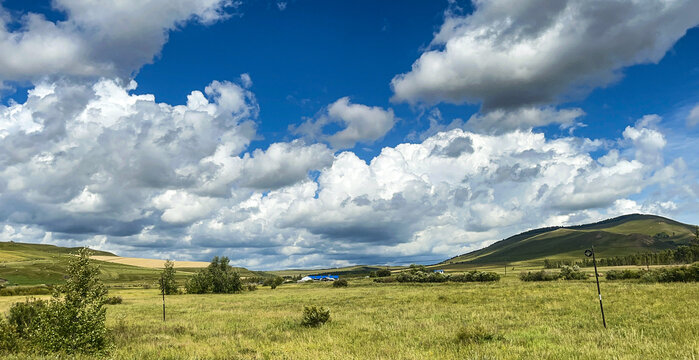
(75, 323)
(273, 282)
(167, 279)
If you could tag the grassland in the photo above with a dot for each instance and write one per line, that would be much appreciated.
(625, 235)
(33, 264)
(505, 320)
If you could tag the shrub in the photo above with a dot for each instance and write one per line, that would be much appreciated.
(113, 300)
(673, 274)
(315, 316)
(432, 277)
(539, 276)
(26, 290)
(665, 274)
(383, 273)
(24, 316)
(572, 273)
(273, 282)
(623, 274)
(8, 337)
(340, 283)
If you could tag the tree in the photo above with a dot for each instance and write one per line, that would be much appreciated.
(218, 278)
(167, 279)
(273, 282)
(75, 323)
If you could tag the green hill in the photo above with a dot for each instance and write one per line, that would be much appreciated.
(624, 235)
(33, 264)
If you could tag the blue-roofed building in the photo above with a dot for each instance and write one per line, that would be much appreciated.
(324, 277)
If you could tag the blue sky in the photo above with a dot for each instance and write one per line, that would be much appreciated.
(329, 133)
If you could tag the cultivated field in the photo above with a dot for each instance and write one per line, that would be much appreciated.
(149, 263)
(505, 320)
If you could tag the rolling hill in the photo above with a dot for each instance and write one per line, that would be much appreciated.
(33, 264)
(623, 235)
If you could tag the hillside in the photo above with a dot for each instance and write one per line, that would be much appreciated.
(624, 235)
(32, 264)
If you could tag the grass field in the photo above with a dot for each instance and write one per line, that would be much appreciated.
(624, 235)
(505, 320)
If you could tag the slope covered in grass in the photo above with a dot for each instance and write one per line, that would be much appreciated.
(624, 235)
(32, 264)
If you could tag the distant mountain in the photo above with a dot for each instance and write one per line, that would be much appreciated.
(623, 235)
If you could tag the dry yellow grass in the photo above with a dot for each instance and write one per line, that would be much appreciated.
(149, 263)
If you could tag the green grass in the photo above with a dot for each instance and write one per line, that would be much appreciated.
(505, 320)
(626, 235)
(34, 264)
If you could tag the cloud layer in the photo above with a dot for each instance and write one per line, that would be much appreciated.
(104, 166)
(513, 53)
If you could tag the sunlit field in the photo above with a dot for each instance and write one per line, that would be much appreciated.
(509, 319)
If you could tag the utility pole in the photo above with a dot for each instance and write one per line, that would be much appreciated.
(588, 253)
(162, 289)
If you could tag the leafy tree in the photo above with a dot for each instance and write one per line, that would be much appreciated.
(218, 278)
(167, 279)
(75, 322)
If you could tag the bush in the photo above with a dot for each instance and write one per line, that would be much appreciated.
(26, 290)
(572, 273)
(539, 276)
(432, 277)
(8, 337)
(340, 283)
(665, 274)
(251, 287)
(315, 316)
(113, 300)
(673, 274)
(273, 282)
(383, 273)
(475, 276)
(623, 274)
(23, 316)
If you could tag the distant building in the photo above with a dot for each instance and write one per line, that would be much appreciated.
(324, 277)
(319, 278)
(439, 271)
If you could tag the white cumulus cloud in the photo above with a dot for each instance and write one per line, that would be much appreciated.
(517, 53)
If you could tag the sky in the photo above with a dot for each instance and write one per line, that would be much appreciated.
(310, 133)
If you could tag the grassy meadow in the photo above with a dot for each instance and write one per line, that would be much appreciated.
(509, 319)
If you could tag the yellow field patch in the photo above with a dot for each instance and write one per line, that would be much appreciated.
(149, 263)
